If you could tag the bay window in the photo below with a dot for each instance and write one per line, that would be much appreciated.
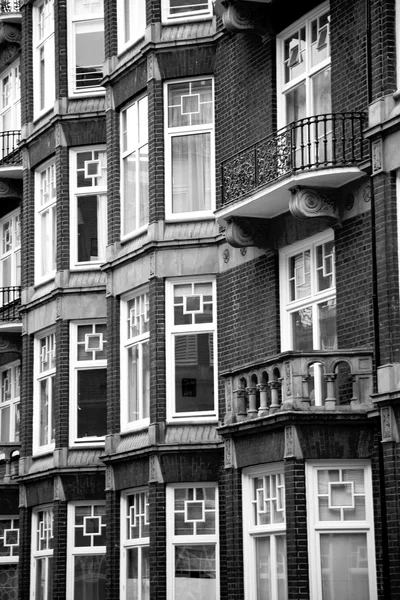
(264, 532)
(9, 402)
(44, 50)
(46, 222)
(44, 393)
(10, 109)
(191, 348)
(88, 404)
(341, 531)
(131, 22)
(9, 552)
(42, 554)
(135, 361)
(192, 538)
(88, 177)
(134, 167)
(86, 22)
(10, 257)
(189, 139)
(86, 562)
(135, 577)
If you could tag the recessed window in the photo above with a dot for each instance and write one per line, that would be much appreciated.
(88, 401)
(86, 57)
(189, 139)
(341, 530)
(264, 532)
(192, 538)
(42, 554)
(191, 350)
(46, 222)
(308, 295)
(134, 167)
(131, 22)
(43, 44)
(88, 225)
(186, 10)
(135, 361)
(10, 378)
(44, 393)
(9, 553)
(86, 562)
(135, 545)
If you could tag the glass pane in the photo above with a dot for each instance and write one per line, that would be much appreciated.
(302, 329)
(194, 372)
(9, 582)
(5, 424)
(195, 573)
(40, 579)
(145, 379)
(143, 186)
(89, 47)
(92, 403)
(280, 542)
(44, 412)
(88, 233)
(191, 173)
(129, 193)
(296, 107)
(344, 566)
(145, 573)
(321, 88)
(132, 573)
(133, 383)
(90, 577)
(327, 325)
(263, 568)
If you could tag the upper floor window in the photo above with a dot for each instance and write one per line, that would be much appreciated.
(186, 10)
(10, 109)
(135, 361)
(264, 533)
(341, 530)
(86, 45)
(42, 554)
(192, 541)
(191, 349)
(88, 223)
(46, 222)
(134, 167)
(86, 560)
(303, 68)
(9, 402)
(43, 409)
(44, 69)
(10, 257)
(9, 551)
(88, 383)
(131, 22)
(135, 545)
(308, 294)
(189, 149)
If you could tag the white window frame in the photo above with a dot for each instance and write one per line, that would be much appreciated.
(131, 26)
(10, 102)
(90, 190)
(44, 352)
(83, 365)
(13, 556)
(288, 307)
(10, 252)
(93, 22)
(45, 233)
(317, 527)
(10, 381)
(138, 513)
(73, 550)
(173, 331)
(170, 133)
(189, 15)
(189, 540)
(128, 342)
(282, 88)
(252, 530)
(44, 530)
(43, 57)
(132, 143)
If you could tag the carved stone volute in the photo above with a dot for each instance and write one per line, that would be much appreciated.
(243, 17)
(10, 33)
(242, 232)
(308, 203)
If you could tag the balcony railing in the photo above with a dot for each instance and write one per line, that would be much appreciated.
(10, 154)
(318, 142)
(9, 6)
(10, 302)
(316, 381)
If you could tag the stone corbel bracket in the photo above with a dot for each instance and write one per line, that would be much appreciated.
(242, 232)
(9, 33)
(9, 189)
(309, 203)
(242, 17)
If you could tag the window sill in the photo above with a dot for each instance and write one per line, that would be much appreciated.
(187, 19)
(134, 234)
(135, 428)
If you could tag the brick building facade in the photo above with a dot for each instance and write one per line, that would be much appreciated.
(199, 311)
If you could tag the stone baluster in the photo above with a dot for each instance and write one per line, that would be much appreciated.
(252, 392)
(274, 385)
(240, 408)
(263, 389)
(330, 400)
(306, 400)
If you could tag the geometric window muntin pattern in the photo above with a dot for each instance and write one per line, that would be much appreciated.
(269, 499)
(195, 511)
(138, 515)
